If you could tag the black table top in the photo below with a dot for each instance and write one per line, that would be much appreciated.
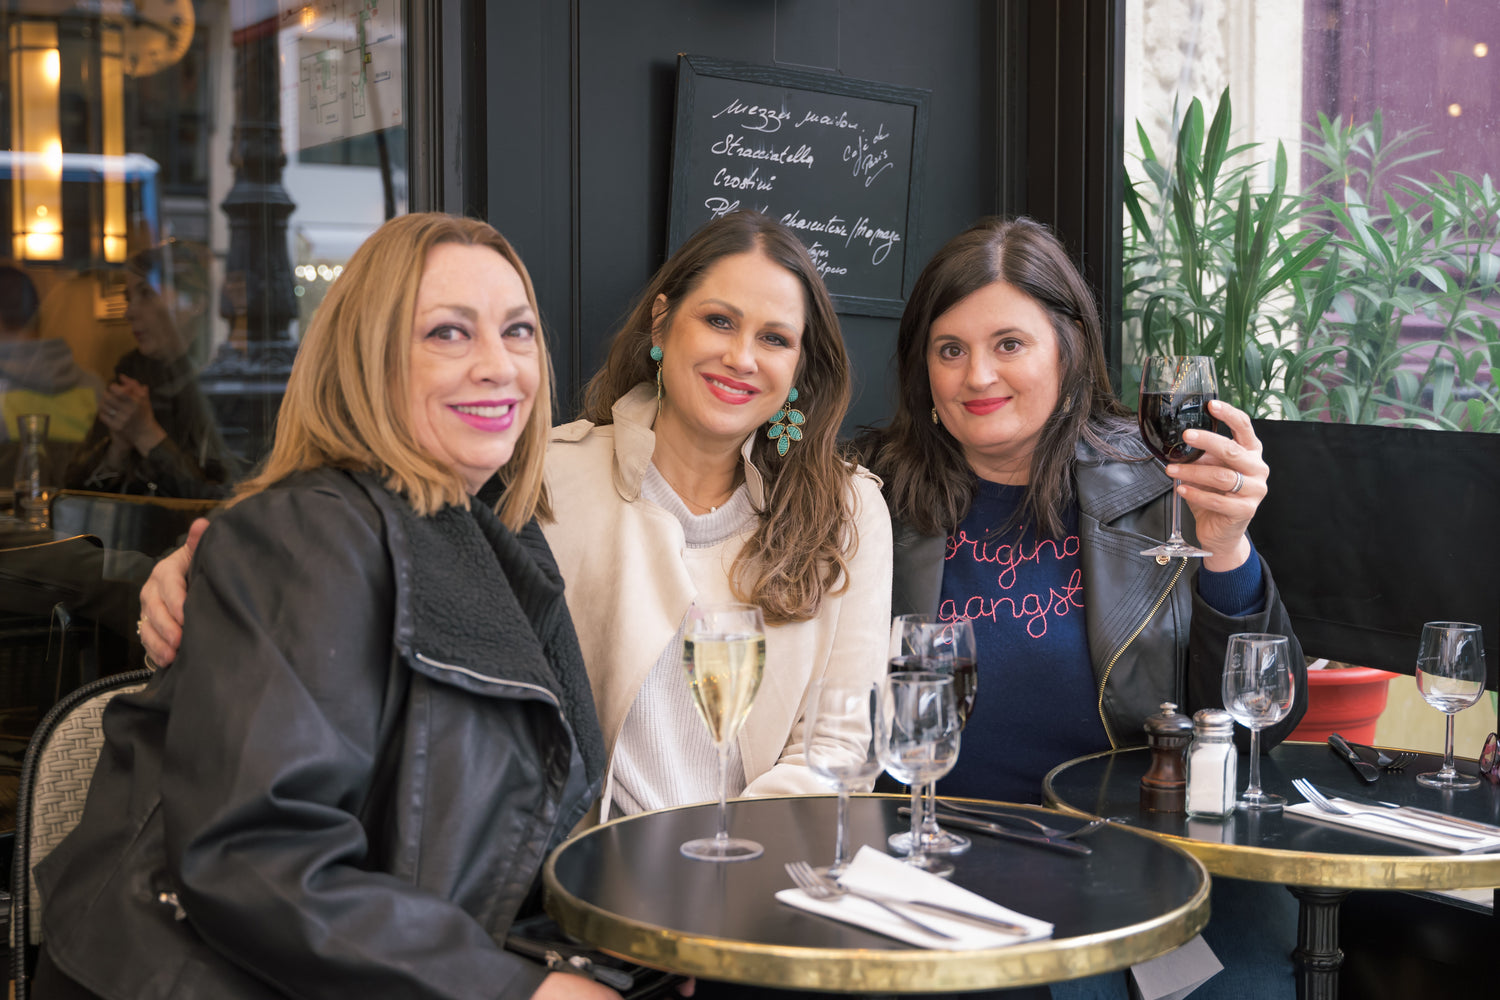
(1284, 847)
(624, 887)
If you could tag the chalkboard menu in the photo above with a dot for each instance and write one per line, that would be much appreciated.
(837, 160)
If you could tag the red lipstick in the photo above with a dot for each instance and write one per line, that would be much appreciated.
(979, 407)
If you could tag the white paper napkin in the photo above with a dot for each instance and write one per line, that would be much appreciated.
(880, 874)
(1375, 821)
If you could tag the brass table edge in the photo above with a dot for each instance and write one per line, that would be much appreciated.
(1349, 871)
(899, 970)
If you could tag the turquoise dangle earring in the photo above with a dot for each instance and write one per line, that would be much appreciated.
(656, 355)
(786, 424)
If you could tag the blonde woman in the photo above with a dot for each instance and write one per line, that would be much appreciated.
(348, 782)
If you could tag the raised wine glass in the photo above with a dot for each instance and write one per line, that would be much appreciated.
(1450, 676)
(1175, 393)
(841, 750)
(924, 643)
(724, 655)
(917, 732)
(1258, 689)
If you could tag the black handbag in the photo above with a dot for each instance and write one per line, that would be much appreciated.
(541, 939)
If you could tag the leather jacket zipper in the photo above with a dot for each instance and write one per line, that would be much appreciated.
(1181, 565)
(534, 688)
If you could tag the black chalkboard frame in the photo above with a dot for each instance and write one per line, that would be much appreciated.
(681, 222)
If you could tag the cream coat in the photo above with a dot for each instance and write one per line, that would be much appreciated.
(628, 591)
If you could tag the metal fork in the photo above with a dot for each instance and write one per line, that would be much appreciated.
(818, 887)
(1042, 828)
(1388, 763)
(1322, 801)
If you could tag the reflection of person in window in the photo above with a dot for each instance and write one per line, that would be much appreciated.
(39, 375)
(156, 433)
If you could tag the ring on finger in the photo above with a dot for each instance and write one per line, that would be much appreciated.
(1239, 482)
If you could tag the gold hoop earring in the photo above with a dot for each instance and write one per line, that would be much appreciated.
(934, 415)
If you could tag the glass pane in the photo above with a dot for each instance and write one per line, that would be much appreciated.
(1311, 202)
(178, 189)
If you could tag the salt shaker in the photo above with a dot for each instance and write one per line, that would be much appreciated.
(1211, 765)
(1164, 785)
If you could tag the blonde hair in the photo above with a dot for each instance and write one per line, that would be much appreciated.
(801, 549)
(345, 403)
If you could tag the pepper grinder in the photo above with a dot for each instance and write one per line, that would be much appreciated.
(1164, 785)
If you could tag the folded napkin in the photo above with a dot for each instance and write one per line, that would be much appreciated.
(880, 874)
(1375, 820)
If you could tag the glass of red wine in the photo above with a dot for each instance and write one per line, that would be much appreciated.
(1175, 393)
(922, 643)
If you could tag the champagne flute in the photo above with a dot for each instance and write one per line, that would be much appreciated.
(724, 655)
(944, 648)
(1450, 676)
(1258, 689)
(840, 750)
(1175, 393)
(917, 734)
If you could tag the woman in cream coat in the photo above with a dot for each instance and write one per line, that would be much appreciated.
(707, 469)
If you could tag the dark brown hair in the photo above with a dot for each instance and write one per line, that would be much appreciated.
(806, 534)
(929, 484)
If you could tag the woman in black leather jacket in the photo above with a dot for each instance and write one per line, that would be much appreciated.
(1022, 497)
(347, 784)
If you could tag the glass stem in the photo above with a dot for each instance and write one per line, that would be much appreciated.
(918, 852)
(1253, 792)
(1448, 767)
(929, 810)
(1176, 513)
(722, 836)
(841, 838)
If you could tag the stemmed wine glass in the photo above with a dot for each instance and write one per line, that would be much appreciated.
(1175, 393)
(840, 750)
(1258, 688)
(916, 734)
(724, 655)
(920, 642)
(1450, 676)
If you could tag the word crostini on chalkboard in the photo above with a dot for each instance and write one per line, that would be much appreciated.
(838, 161)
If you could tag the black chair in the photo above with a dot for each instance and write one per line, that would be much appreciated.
(54, 784)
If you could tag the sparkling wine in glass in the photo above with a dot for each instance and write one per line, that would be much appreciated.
(917, 734)
(1175, 393)
(1450, 676)
(921, 642)
(841, 750)
(1258, 689)
(724, 656)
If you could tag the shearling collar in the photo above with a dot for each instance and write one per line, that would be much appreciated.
(634, 414)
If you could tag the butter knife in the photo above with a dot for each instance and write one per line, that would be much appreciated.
(1427, 815)
(1367, 771)
(1008, 833)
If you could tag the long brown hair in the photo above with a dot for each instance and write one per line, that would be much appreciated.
(929, 484)
(345, 403)
(806, 534)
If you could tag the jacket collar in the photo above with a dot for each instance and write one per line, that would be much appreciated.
(635, 413)
(1107, 490)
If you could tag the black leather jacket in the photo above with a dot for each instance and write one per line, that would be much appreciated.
(1151, 637)
(377, 728)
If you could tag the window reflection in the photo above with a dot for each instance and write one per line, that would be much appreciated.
(178, 190)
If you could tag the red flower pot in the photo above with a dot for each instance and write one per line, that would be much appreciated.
(1343, 700)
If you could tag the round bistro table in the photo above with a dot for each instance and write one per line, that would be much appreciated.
(625, 888)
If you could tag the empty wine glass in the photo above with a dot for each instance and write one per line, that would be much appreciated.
(1450, 676)
(841, 750)
(724, 655)
(1258, 688)
(917, 733)
(924, 643)
(1175, 393)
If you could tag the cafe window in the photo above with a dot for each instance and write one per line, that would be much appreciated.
(1359, 152)
(181, 185)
